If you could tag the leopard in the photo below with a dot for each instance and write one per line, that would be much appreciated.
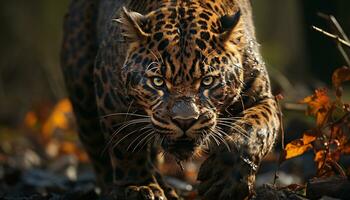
(180, 77)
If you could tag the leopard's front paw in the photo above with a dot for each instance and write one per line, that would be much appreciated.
(151, 191)
(224, 177)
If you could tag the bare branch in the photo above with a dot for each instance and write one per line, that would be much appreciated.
(335, 24)
(340, 32)
(335, 37)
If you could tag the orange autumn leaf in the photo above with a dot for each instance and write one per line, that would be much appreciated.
(58, 118)
(299, 146)
(318, 105)
(317, 100)
(55, 130)
(307, 138)
(296, 148)
(329, 139)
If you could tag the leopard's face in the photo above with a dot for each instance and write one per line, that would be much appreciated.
(183, 68)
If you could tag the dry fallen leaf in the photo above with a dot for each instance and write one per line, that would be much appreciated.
(56, 131)
(319, 105)
(299, 146)
(58, 118)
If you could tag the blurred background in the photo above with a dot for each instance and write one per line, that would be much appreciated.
(32, 91)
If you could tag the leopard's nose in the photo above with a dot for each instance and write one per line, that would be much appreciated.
(184, 113)
(184, 123)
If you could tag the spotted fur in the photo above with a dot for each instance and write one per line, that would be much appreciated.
(178, 74)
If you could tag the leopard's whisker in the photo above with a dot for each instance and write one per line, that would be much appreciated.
(115, 133)
(242, 131)
(131, 122)
(124, 137)
(149, 139)
(237, 126)
(145, 134)
(147, 120)
(236, 129)
(131, 114)
(143, 140)
(136, 138)
(225, 134)
(210, 139)
(218, 132)
(146, 127)
(235, 123)
(149, 133)
(215, 139)
(228, 118)
(128, 123)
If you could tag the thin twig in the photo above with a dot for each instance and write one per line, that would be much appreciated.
(340, 32)
(335, 24)
(335, 37)
(343, 35)
(343, 53)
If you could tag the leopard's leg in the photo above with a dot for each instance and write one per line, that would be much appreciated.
(230, 174)
(135, 175)
(134, 160)
(77, 60)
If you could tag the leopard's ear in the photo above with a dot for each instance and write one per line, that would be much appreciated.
(228, 23)
(132, 24)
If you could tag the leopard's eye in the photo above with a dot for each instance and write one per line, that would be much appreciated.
(157, 81)
(207, 81)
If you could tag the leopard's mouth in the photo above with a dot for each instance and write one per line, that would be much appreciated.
(182, 148)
